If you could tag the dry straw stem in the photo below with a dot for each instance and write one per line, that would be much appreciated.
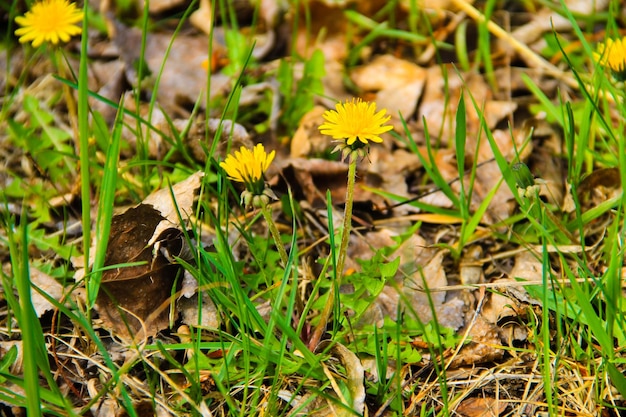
(507, 284)
(531, 58)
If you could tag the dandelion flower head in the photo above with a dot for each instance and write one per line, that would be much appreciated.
(249, 167)
(49, 21)
(612, 54)
(356, 120)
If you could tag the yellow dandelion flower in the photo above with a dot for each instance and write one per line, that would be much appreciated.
(249, 167)
(49, 21)
(612, 54)
(355, 120)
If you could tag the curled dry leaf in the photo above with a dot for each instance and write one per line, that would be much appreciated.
(596, 188)
(134, 300)
(170, 203)
(354, 376)
(499, 306)
(527, 267)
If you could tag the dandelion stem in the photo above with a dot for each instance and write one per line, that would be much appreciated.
(347, 218)
(343, 250)
(275, 234)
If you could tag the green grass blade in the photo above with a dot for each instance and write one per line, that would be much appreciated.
(105, 211)
(430, 165)
(32, 336)
(83, 131)
(460, 137)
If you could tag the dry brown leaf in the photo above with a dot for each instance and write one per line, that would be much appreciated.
(161, 6)
(321, 19)
(471, 271)
(206, 315)
(499, 306)
(109, 78)
(307, 140)
(310, 178)
(48, 285)
(201, 134)
(134, 300)
(502, 305)
(432, 275)
(441, 98)
(527, 266)
(183, 79)
(599, 186)
(548, 20)
(484, 345)
(399, 83)
(481, 407)
(202, 18)
(172, 202)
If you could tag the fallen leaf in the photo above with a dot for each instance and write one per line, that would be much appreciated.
(440, 100)
(417, 290)
(307, 140)
(354, 376)
(484, 345)
(597, 187)
(131, 298)
(48, 285)
(471, 270)
(202, 18)
(201, 134)
(134, 300)
(481, 407)
(194, 313)
(170, 203)
(325, 19)
(310, 178)
(499, 306)
(399, 83)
